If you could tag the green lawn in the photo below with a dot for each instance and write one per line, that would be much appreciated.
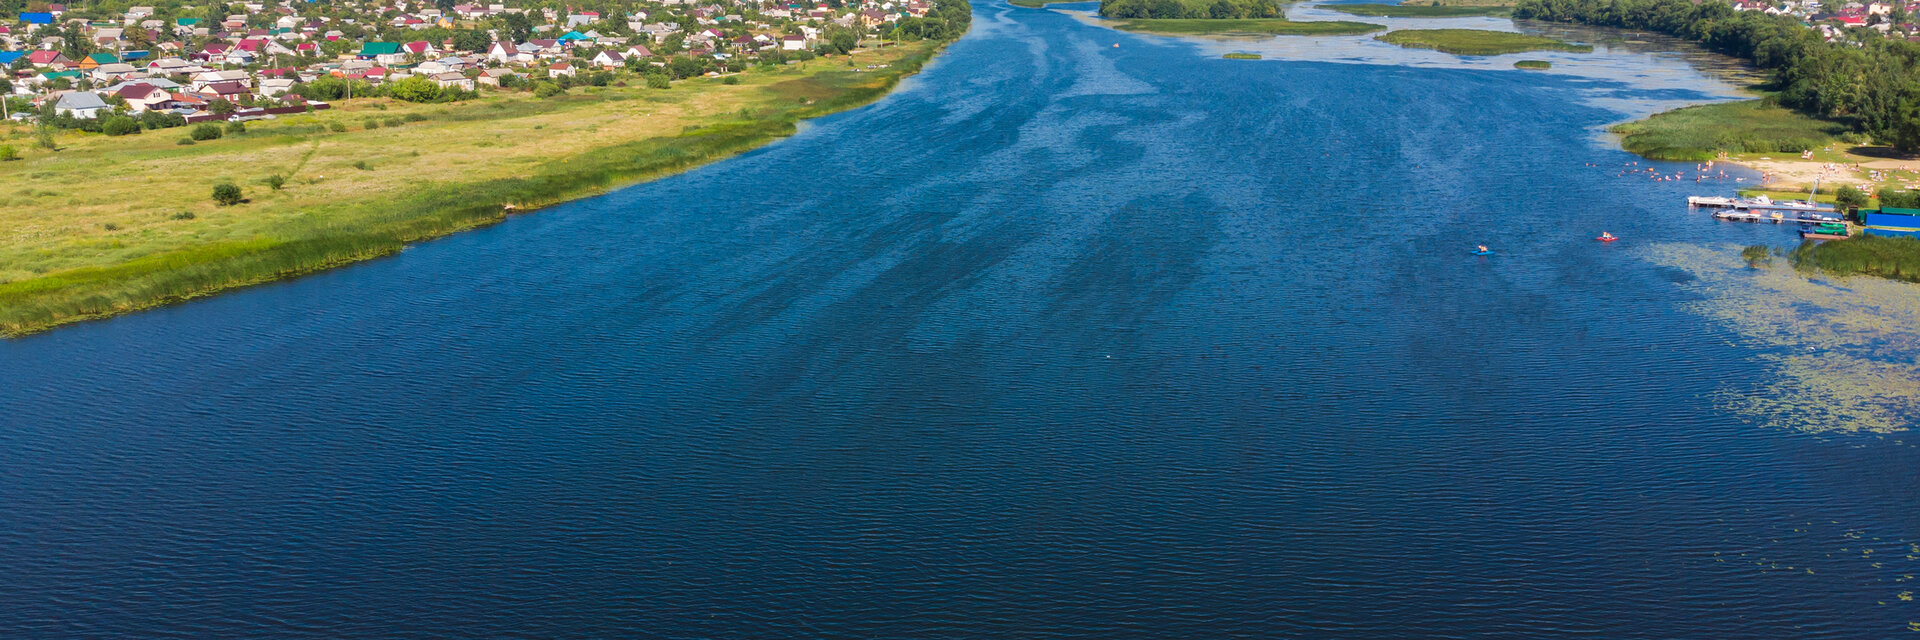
(1748, 126)
(1420, 10)
(1260, 26)
(1475, 42)
(110, 225)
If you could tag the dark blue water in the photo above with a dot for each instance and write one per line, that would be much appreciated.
(1061, 341)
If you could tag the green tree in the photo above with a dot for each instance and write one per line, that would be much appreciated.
(221, 106)
(227, 194)
(119, 126)
(1849, 198)
(414, 89)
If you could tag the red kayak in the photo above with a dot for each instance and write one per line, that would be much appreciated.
(1607, 239)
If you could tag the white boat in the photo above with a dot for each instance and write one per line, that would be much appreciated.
(1711, 201)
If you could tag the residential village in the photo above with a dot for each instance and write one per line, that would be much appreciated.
(1832, 19)
(168, 65)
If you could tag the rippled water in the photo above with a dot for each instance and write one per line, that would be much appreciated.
(1062, 340)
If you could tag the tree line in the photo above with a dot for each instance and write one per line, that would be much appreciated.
(1864, 80)
(1191, 9)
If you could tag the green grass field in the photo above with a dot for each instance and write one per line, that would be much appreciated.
(1475, 42)
(1533, 64)
(1420, 10)
(1748, 126)
(110, 225)
(1262, 26)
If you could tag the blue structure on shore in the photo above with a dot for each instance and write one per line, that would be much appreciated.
(1892, 222)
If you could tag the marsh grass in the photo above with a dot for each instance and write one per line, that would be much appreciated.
(1476, 42)
(1257, 26)
(1862, 254)
(1421, 10)
(1702, 132)
(1533, 64)
(55, 271)
(1242, 56)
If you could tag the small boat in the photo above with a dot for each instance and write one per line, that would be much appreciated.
(1711, 201)
(1607, 238)
(1478, 252)
(1825, 231)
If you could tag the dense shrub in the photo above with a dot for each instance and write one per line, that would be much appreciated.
(205, 131)
(658, 81)
(227, 193)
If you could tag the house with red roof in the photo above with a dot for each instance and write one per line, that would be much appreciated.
(44, 58)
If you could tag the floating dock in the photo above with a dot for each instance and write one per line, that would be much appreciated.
(1741, 204)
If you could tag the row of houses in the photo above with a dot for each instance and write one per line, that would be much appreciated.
(190, 59)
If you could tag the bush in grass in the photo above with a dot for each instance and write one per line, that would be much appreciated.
(227, 194)
(415, 117)
(205, 131)
(372, 123)
(119, 126)
(337, 127)
(547, 90)
(236, 127)
(276, 181)
(658, 81)
(184, 215)
(185, 142)
(8, 153)
(393, 122)
(730, 80)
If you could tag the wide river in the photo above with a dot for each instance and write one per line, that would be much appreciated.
(1061, 340)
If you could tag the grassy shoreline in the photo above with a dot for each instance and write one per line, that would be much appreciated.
(55, 272)
(1250, 26)
(1476, 42)
(1701, 132)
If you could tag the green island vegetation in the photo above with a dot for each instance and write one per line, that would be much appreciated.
(1422, 10)
(273, 199)
(1863, 80)
(1242, 56)
(1219, 17)
(1701, 132)
(1476, 42)
(1533, 64)
(1861, 254)
(1039, 4)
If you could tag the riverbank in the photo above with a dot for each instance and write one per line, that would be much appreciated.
(111, 225)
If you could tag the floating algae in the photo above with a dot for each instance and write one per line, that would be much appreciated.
(1843, 348)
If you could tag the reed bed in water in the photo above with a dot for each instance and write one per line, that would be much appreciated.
(1893, 258)
(1702, 132)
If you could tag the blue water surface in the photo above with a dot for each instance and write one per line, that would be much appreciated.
(1062, 340)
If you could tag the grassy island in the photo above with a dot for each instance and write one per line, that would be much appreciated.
(1040, 4)
(1475, 42)
(1253, 26)
(1421, 10)
(1533, 64)
(1242, 56)
(1219, 17)
(1702, 132)
(1864, 254)
(106, 225)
